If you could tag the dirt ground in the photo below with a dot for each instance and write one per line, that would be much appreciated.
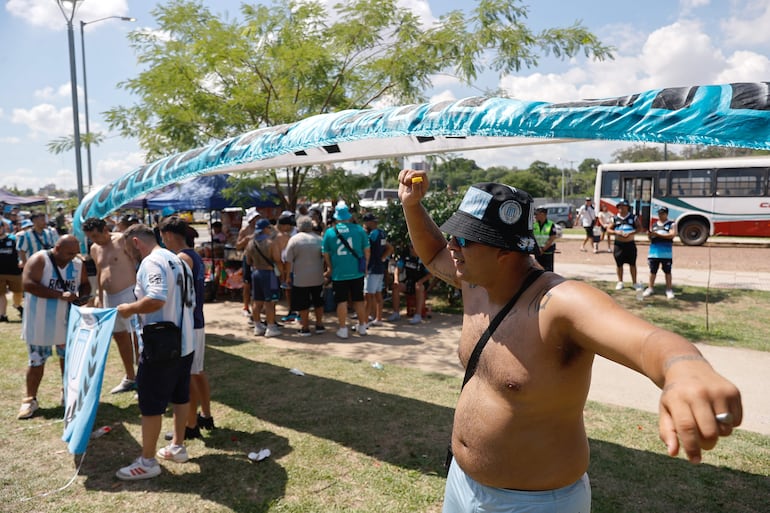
(721, 257)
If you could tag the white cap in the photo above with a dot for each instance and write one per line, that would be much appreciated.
(251, 214)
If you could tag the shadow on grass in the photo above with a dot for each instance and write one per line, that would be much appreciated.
(390, 428)
(624, 479)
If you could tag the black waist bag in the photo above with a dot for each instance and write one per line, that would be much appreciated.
(162, 342)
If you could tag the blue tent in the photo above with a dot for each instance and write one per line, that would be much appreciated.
(201, 193)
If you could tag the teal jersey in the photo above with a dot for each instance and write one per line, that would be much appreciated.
(344, 263)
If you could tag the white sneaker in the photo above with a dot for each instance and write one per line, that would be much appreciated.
(272, 331)
(260, 329)
(670, 294)
(173, 452)
(417, 319)
(138, 470)
(395, 316)
(374, 322)
(648, 292)
(343, 333)
(619, 286)
(362, 329)
(28, 408)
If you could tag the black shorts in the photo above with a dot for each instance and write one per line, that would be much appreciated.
(348, 290)
(302, 298)
(545, 260)
(265, 285)
(246, 269)
(589, 231)
(625, 253)
(663, 263)
(161, 383)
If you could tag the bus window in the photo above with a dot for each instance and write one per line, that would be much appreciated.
(692, 182)
(741, 182)
(661, 184)
(611, 185)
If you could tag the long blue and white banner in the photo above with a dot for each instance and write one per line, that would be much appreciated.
(88, 343)
(735, 115)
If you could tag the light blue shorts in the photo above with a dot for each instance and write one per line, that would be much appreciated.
(114, 300)
(373, 283)
(39, 354)
(464, 495)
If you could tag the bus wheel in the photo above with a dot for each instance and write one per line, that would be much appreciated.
(693, 233)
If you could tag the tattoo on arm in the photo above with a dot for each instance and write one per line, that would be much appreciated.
(681, 358)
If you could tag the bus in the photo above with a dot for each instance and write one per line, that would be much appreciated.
(726, 196)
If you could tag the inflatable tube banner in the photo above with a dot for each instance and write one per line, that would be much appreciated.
(735, 115)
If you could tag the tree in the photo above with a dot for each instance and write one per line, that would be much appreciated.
(208, 78)
(67, 142)
(642, 153)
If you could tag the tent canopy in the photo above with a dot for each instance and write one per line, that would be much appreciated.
(201, 193)
(7, 198)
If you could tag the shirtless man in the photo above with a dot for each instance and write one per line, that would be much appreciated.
(518, 426)
(244, 237)
(116, 277)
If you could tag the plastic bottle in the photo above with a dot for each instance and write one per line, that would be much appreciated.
(101, 431)
(640, 292)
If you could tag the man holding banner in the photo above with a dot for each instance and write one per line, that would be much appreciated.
(161, 282)
(52, 279)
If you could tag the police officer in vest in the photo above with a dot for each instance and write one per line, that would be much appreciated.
(545, 235)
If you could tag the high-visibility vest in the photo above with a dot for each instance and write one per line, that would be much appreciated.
(543, 234)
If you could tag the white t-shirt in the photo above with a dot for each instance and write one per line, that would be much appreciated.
(587, 215)
(160, 276)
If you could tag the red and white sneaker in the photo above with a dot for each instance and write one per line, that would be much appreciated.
(138, 470)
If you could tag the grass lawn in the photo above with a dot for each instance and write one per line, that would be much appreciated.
(344, 437)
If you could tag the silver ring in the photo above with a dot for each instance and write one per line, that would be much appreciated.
(725, 418)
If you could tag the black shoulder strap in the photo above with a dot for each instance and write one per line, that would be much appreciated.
(62, 283)
(256, 246)
(339, 236)
(473, 361)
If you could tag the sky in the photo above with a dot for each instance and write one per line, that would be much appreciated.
(659, 43)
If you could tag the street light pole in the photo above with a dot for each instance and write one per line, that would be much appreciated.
(85, 89)
(74, 86)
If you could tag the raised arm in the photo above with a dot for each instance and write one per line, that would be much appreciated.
(428, 240)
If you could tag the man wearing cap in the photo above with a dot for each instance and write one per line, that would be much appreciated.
(262, 256)
(545, 235)
(344, 245)
(624, 226)
(586, 215)
(379, 252)
(518, 427)
(661, 252)
(38, 238)
(245, 235)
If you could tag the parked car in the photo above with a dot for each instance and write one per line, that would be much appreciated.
(562, 214)
(377, 198)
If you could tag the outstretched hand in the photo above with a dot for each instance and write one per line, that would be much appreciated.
(412, 186)
(696, 409)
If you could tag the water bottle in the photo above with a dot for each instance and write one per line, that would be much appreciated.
(101, 431)
(639, 292)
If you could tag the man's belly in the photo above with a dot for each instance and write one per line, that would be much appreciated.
(115, 280)
(521, 448)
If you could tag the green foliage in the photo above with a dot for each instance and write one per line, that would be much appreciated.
(207, 77)
(67, 143)
(440, 204)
